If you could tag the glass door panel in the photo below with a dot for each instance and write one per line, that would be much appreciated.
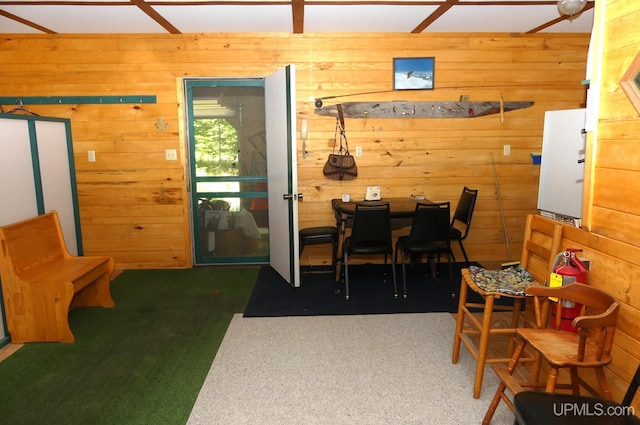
(227, 150)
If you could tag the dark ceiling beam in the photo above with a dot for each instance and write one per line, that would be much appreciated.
(151, 12)
(25, 22)
(435, 15)
(559, 19)
(297, 9)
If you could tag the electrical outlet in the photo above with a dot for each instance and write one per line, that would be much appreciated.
(358, 150)
(171, 155)
(506, 150)
(91, 156)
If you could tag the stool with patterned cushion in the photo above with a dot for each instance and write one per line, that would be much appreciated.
(320, 235)
(541, 244)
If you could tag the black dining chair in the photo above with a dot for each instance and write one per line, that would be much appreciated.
(534, 407)
(429, 235)
(370, 235)
(461, 221)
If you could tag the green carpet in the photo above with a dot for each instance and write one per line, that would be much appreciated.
(142, 362)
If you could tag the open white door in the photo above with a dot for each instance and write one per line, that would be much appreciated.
(282, 173)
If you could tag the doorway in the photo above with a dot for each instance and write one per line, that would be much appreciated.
(228, 170)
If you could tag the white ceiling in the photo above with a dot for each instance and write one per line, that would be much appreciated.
(288, 16)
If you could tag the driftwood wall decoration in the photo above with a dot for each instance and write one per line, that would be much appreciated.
(435, 109)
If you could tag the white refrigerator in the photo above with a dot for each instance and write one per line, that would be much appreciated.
(562, 165)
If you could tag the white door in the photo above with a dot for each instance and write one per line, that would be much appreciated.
(282, 172)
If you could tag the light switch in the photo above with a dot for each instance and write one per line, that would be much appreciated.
(506, 150)
(91, 156)
(171, 155)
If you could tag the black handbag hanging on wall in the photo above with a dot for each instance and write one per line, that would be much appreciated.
(340, 165)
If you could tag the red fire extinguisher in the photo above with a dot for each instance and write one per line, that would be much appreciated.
(570, 269)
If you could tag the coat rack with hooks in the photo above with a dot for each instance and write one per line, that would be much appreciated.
(71, 100)
(20, 108)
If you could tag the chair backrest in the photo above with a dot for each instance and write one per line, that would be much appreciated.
(541, 244)
(597, 319)
(372, 223)
(464, 211)
(431, 222)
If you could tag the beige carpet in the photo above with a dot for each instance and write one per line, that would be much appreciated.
(373, 369)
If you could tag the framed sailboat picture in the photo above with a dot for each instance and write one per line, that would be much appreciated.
(414, 73)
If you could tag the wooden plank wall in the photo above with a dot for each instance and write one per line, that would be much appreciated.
(613, 243)
(438, 157)
(615, 266)
(616, 209)
(133, 203)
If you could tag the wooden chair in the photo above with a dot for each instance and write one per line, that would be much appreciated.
(541, 243)
(535, 407)
(590, 347)
(429, 235)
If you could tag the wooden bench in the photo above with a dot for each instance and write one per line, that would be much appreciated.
(42, 281)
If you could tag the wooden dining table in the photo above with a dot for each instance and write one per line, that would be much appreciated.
(401, 211)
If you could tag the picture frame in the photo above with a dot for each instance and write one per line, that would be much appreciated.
(416, 73)
(630, 83)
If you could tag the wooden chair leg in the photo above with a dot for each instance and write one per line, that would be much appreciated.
(494, 404)
(604, 383)
(536, 368)
(552, 379)
(515, 321)
(575, 381)
(502, 387)
(457, 338)
(484, 344)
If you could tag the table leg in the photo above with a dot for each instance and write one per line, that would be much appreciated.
(341, 224)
